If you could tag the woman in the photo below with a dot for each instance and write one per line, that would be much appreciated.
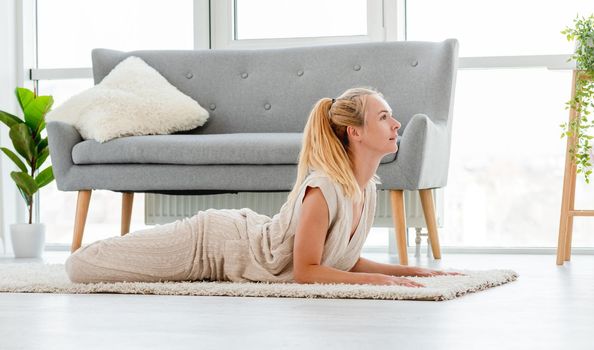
(316, 237)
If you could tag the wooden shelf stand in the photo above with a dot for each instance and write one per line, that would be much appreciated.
(568, 211)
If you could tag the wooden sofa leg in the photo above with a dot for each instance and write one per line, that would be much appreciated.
(82, 208)
(429, 212)
(397, 199)
(127, 200)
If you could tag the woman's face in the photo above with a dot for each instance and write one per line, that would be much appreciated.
(380, 133)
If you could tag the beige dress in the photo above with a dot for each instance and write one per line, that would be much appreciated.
(226, 244)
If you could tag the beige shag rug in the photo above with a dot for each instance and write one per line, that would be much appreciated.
(52, 278)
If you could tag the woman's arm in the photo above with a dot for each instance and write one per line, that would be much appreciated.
(368, 266)
(310, 238)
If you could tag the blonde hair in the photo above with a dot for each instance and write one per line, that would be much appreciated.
(325, 142)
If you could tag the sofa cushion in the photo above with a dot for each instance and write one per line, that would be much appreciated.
(239, 148)
(133, 99)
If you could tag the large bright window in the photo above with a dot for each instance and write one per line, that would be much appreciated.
(496, 28)
(262, 19)
(68, 29)
(507, 160)
(67, 32)
(286, 23)
(506, 168)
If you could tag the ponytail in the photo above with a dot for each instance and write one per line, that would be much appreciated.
(325, 142)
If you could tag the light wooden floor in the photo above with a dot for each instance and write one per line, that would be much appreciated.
(549, 307)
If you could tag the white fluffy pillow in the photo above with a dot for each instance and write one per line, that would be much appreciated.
(133, 99)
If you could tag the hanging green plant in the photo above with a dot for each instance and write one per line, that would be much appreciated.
(583, 100)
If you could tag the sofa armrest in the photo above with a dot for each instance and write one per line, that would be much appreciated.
(424, 152)
(61, 139)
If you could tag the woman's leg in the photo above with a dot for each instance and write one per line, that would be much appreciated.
(161, 253)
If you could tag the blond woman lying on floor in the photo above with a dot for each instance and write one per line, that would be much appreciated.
(316, 237)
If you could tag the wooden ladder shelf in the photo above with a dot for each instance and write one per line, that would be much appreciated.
(568, 211)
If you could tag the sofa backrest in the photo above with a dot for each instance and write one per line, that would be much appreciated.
(273, 90)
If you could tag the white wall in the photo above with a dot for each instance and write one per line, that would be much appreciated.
(12, 74)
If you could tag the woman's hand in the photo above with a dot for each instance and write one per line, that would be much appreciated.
(382, 279)
(423, 272)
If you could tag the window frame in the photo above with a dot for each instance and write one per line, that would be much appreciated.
(223, 29)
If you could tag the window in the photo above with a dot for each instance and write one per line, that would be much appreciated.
(260, 19)
(283, 23)
(68, 29)
(496, 28)
(506, 167)
(507, 160)
(506, 163)
(67, 32)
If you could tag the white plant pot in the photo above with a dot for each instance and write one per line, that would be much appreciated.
(27, 240)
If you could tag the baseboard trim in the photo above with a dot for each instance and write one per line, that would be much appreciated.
(444, 249)
(488, 250)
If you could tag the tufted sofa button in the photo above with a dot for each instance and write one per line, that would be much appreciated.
(300, 73)
(212, 106)
(244, 75)
(189, 75)
(267, 106)
(414, 63)
(357, 67)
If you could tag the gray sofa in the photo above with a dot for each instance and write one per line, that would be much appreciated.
(258, 102)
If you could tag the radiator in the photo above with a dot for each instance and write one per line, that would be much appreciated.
(161, 208)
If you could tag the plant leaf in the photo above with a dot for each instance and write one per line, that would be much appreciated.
(36, 111)
(45, 177)
(40, 127)
(25, 182)
(15, 159)
(28, 199)
(9, 119)
(41, 158)
(23, 142)
(42, 145)
(34, 108)
(24, 96)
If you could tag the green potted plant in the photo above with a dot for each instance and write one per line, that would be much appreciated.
(28, 239)
(583, 100)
